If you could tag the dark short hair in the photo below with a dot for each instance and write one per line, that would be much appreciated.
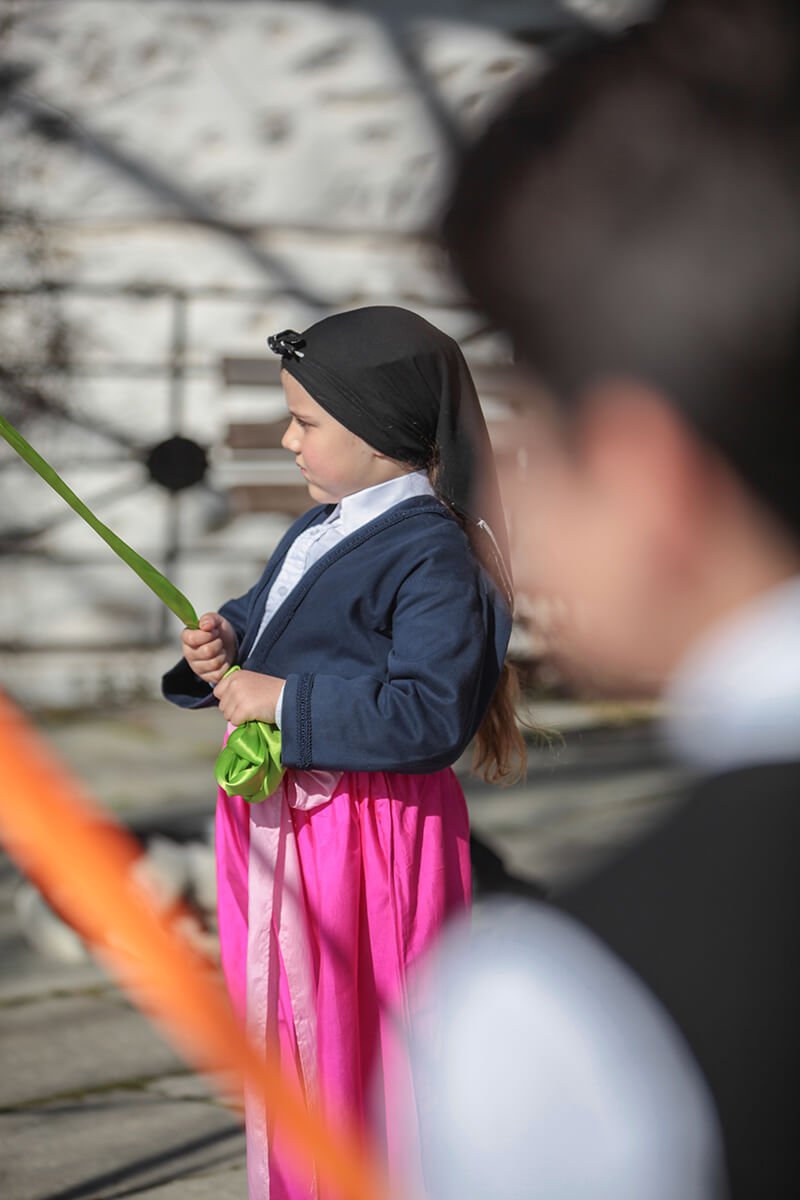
(636, 213)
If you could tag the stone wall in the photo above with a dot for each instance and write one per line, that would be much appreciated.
(181, 178)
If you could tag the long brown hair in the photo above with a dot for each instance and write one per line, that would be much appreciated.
(499, 751)
(500, 754)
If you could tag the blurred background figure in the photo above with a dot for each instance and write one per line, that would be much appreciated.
(633, 221)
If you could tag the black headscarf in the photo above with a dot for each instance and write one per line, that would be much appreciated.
(402, 385)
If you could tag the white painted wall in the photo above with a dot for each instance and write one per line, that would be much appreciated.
(298, 130)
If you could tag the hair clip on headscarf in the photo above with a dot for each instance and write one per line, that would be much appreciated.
(287, 343)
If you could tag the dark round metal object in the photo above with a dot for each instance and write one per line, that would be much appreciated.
(177, 463)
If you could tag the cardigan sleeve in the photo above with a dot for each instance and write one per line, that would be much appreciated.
(421, 714)
(180, 685)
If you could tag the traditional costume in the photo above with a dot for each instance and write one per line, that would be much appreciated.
(391, 637)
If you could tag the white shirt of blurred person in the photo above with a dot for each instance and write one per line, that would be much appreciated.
(633, 220)
(551, 1070)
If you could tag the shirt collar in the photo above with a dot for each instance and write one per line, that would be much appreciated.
(735, 699)
(356, 510)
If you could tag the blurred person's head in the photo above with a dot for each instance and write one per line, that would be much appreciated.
(633, 221)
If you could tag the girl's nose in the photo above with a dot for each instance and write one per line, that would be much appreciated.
(289, 441)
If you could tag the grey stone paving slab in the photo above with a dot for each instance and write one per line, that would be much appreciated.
(228, 1184)
(221, 1089)
(23, 971)
(122, 1143)
(558, 829)
(150, 756)
(72, 1043)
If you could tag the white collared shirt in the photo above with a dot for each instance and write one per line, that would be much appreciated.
(545, 1067)
(735, 699)
(349, 515)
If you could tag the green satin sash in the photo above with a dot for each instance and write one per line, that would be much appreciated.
(249, 764)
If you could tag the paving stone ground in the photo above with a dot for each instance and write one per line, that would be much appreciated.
(94, 1105)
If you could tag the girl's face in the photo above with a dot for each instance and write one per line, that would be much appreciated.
(334, 462)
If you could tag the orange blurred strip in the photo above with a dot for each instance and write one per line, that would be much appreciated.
(83, 861)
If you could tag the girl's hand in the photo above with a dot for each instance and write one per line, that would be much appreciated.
(248, 696)
(211, 649)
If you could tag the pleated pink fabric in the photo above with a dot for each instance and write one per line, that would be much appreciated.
(355, 890)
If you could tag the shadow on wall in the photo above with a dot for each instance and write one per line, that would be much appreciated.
(116, 314)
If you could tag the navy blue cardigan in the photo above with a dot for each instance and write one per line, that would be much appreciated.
(391, 645)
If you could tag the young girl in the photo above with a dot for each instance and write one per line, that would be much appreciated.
(375, 640)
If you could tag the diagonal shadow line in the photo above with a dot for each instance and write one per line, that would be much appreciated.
(56, 125)
(401, 37)
(37, 401)
(176, 1176)
(11, 539)
(75, 461)
(121, 1175)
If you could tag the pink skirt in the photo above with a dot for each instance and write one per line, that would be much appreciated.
(371, 876)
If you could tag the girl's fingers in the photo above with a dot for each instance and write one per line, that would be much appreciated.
(204, 649)
(210, 630)
(195, 638)
(212, 673)
(203, 653)
(214, 649)
(225, 692)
